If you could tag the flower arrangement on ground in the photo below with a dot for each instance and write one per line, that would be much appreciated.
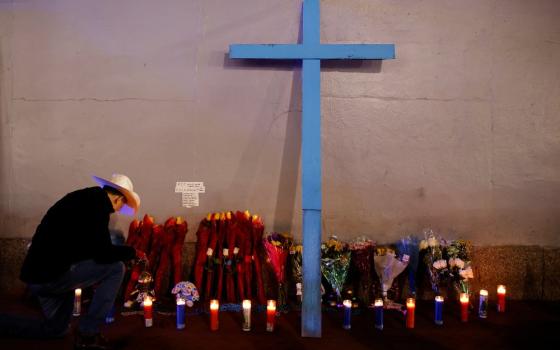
(410, 245)
(296, 260)
(335, 263)
(362, 249)
(277, 247)
(432, 251)
(388, 266)
(459, 271)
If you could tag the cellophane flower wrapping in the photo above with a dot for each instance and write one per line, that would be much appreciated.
(335, 263)
(388, 266)
(362, 249)
(277, 247)
(409, 245)
(296, 259)
(432, 253)
(458, 253)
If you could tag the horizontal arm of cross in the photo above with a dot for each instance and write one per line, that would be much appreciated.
(322, 51)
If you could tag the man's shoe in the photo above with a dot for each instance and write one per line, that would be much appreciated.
(91, 342)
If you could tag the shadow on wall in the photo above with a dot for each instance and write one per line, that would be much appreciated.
(285, 202)
(350, 66)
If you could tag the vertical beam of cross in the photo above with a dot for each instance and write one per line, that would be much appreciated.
(311, 52)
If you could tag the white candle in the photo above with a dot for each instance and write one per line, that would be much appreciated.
(246, 315)
(77, 302)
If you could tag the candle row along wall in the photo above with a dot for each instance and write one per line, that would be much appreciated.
(438, 312)
(347, 304)
(214, 310)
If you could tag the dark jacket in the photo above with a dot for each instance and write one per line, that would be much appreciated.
(75, 228)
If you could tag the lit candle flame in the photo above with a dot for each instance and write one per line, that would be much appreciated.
(271, 305)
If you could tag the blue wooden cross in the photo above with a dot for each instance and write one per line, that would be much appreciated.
(311, 52)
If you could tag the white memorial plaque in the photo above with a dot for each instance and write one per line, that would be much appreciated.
(190, 193)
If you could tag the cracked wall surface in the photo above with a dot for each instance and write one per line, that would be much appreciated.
(460, 133)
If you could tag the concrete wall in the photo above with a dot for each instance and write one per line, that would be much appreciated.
(529, 272)
(460, 133)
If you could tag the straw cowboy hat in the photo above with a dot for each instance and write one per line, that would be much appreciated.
(122, 184)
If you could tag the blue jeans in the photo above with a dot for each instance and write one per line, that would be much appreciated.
(57, 301)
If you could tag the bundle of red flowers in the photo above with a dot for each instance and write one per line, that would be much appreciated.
(164, 247)
(257, 235)
(139, 237)
(277, 247)
(227, 257)
(202, 236)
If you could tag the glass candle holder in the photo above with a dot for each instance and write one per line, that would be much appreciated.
(347, 305)
(246, 315)
(483, 304)
(77, 302)
(214, 311)
(270, 315)
(180, 313)
(378, 313)
(148, 313)
(438, 315)
(410, 308)
(501, 298)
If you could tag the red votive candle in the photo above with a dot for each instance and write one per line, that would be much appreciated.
(270, 315)
(148, 320)
(214, 309)
(501, 298)
(464, 307)
(410, 307)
